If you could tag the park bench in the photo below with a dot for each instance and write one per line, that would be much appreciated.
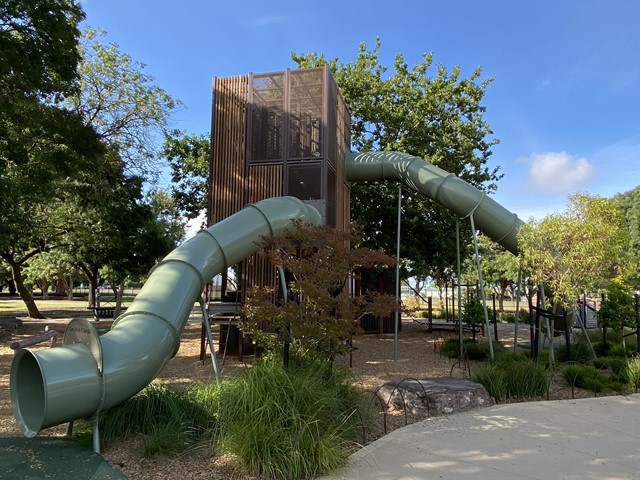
(104, 312)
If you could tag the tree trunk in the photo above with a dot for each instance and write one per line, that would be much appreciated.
(118, 290)
(92, 276)
(69, 287)
(61, 286)
(12, 287)
(44, 288)
(27, 298)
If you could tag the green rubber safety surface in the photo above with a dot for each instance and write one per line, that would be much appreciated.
(52, 458)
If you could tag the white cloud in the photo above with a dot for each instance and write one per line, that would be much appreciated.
(558, 172)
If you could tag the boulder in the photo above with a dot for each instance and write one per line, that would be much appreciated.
(434, 396)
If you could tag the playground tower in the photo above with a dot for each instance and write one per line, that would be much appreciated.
(273, 134)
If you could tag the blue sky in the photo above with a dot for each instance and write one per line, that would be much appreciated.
(564, 103)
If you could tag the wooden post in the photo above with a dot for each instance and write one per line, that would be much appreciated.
(29, 341)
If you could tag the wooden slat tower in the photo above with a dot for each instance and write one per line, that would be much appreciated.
(278, 133)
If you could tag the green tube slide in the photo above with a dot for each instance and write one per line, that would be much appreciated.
(90, 373)
(453, 193)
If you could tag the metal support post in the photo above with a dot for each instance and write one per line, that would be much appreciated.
(397, 316)
(207, 326)
(481, 286)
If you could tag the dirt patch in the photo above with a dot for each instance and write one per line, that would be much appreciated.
(376, 359)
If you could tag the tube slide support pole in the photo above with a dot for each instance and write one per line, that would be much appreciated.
(459, 270)
(637, 323)
(397, 315)
(207, 326)
(515, 335)
(96, 433)
(481, 285)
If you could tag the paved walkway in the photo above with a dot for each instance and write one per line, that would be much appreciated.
(588, 439)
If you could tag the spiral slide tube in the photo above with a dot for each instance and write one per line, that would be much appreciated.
(453, 193)
(90, 373)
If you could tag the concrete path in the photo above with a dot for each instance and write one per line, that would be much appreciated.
(588, 439)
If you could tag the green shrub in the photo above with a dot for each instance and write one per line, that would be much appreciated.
(615, 365)
(170, 421)
(507, 317)
(510, 317)
(617, 350)
(494, 380)
(473, 312)
(632, 373)
(580, 353)
(290, 424)
(513, 376)
(451, 347)
(587, 377)
(475, 351)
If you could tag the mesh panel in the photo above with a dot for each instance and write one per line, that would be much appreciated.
(305, 114)
(267, 118)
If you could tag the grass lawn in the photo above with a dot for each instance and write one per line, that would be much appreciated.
(14, 306)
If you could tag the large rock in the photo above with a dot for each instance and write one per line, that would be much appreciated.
(434, 396)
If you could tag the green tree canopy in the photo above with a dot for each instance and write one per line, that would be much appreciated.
(188, 157)
(617, 310)
(425, 110)
(38, 63)
(114, 226)
(577, 250)
(629, 203)
(42, 145)
(499, 268)
(118, 99)
(38, 54)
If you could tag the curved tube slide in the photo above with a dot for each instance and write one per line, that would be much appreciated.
(91, 373)
(79, 379)
(453, 193)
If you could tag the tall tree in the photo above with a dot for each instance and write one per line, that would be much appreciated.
(436, 115)
(576, 250)
(42, 145)
(120, 101)
(115, 227)
(629, 203)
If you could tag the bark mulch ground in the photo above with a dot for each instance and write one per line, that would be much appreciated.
(372, 363)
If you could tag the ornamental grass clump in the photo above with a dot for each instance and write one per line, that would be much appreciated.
(631, 373)
(290, 423)
(513, 376)
(473, 350)
(587, 377)
(170, 421)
